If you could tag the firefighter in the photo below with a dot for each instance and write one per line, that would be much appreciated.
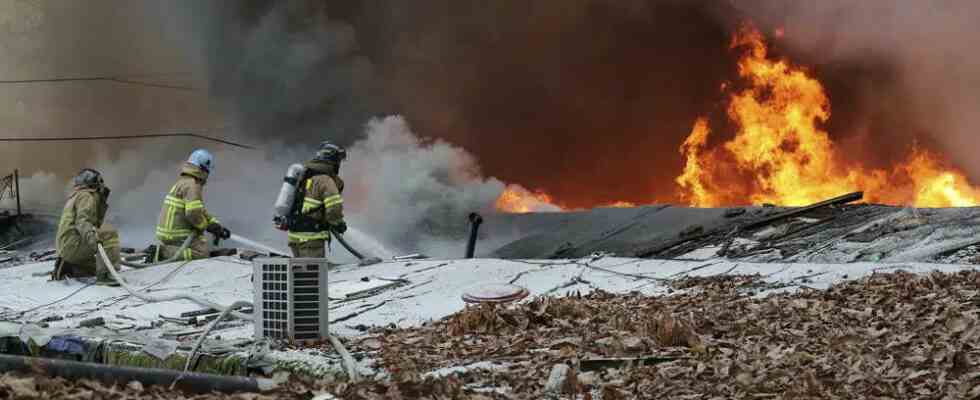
(82, 228)
(322, 209)
(183, 213)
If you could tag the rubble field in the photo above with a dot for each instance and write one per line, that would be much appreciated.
(894, 335)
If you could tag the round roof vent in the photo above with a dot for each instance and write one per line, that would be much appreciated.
(495, 293)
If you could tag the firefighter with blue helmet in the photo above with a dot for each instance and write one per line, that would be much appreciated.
(183, 213)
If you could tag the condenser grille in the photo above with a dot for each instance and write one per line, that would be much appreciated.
(275, 300)
(306, 295)
(292, 297)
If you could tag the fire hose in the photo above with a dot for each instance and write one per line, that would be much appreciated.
(363, 260)
(347, 360)
(175, 257)
(156, 299)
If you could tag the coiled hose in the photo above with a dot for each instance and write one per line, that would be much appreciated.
(157, 299)
(183, 246)
(350, 366)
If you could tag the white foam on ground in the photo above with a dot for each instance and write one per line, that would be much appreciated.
(429, 290)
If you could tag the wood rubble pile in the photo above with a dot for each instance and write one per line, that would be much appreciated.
(895, 335)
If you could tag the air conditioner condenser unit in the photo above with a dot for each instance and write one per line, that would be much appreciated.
(291, 298)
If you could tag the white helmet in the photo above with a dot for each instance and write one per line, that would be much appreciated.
(202, 159)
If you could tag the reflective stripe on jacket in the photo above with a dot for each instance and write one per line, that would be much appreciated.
(323, 203)
(183, 211)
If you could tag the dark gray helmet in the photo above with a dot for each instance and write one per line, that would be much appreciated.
(331, 152)
(88, 177)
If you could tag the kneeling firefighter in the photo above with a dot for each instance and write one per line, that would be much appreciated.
(183, 213)
(309, 205)
(82, 228)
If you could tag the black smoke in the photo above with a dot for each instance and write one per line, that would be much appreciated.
(587, 100)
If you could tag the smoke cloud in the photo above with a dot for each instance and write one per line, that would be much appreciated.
(415, 193)
(285, 71)
(586, 100)
(39, 192)
(410, 193)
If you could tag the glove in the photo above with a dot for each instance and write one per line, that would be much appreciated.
(339, 227)
(216, 229)
(280, 223)
(225, 233)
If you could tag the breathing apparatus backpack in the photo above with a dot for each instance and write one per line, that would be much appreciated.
(289, 204)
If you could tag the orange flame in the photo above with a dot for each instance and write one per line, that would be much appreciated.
(516, 199)
(618, 204)
(787, 159)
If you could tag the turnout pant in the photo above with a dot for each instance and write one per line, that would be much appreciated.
(309, 249)
(198, 249)
(81, 260)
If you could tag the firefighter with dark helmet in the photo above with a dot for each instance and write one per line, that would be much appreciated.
(183, 214)
(319, 209)
(82, 228)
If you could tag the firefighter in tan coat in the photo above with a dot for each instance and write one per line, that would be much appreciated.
(81, 228)
(183, 213)
(322, 209)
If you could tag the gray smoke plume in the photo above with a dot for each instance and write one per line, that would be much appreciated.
(282, 77)
(596, 90)
(285, 70)
(410, 193)
(415, 193)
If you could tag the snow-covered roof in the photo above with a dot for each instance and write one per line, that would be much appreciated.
(403, 294)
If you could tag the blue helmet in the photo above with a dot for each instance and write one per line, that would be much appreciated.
(202, 159)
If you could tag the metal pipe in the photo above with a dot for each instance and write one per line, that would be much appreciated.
(475, 221)
(192, 382)
(17, 189)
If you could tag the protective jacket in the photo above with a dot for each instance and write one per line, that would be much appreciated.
(183, 211)
(78, 229)
(322, 203)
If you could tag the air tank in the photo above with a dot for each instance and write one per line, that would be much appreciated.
(287, 193)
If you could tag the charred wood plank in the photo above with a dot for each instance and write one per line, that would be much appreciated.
(657, 250)
(595, 364)
(847, 198)
(650, 252)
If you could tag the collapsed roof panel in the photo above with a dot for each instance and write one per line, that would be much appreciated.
(829, 232)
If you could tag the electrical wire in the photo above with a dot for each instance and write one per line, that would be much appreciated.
(6, 317)
(143, 136)
(117, 79)
(158, 299)
(22, 313)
